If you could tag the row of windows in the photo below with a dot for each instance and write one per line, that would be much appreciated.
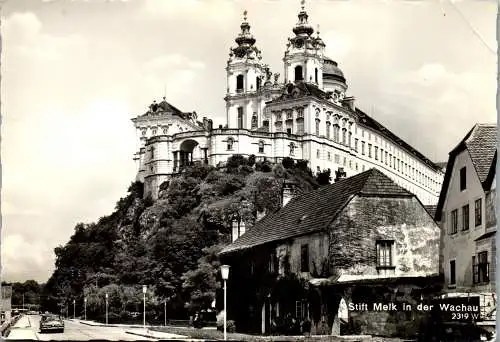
(384, 251)
(230, 145)
(453, 229)
(480, 269)
(387, 158)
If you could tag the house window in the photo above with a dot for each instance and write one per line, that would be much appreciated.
(239, 83)
(363, 148)
(376, 153)
(463, 179)
(304, 258)
(261, 146)
(481, 268)
(478, 212)
(329, 156)
(356, 145)
(452, 273)
(349, 139)
(272, 263)
(369, 150)
(337, 159)
(240, 117)
(465, 217)
(154, 131)
(344, 137)
(336, 130)
(384, 253)
(317, 127)
(258, 80)
(298, 73)
(317, 154)
(328, 130)
(230, 142)
(316, 75)
(152, 152)
(454, 221)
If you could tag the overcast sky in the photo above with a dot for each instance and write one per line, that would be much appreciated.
(75, 72)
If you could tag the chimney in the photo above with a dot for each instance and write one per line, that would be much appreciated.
(288, 191)
(210, 124)
(260, 215)
(238, 229)
(339, 174)
(349, 103)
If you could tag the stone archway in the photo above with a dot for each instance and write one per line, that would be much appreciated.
(190, 152)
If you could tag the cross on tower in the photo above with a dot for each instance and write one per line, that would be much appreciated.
(303, 2)
(245, 15)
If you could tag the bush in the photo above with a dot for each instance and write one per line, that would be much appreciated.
(230, 326)
(234, 162)
(288, 163)
(251, 160)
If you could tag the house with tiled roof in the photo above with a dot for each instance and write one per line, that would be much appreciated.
(466, 212)
(363, 239)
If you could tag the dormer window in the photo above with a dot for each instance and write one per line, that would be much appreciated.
(230, 142)
(261, 146)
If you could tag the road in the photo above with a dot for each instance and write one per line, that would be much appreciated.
(27, 328)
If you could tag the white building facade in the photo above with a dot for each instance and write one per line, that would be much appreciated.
(305, 116)
(467, 215)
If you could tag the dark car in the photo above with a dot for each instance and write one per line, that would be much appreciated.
(51, 323)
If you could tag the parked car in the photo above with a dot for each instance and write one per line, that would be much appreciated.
(51, 323)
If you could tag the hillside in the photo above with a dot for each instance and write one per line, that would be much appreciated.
(169, 244)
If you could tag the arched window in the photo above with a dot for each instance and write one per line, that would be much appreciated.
(261, 146)
(298, 73)
(239, 83)
(230, 142)
(316, 75)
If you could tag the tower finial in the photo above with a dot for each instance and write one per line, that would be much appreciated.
(245, 15)
(303, 3)
(317, 31)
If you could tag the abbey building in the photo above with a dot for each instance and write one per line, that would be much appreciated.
(304, 115)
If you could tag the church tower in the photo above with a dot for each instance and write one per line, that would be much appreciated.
(246, 75)
(304, 55)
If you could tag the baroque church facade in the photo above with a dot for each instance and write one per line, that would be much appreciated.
(306, 116)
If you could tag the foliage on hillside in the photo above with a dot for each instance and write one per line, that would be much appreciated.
(170, 244)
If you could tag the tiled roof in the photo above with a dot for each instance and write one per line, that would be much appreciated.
(366, 120)
(313, 211)
(481, 143)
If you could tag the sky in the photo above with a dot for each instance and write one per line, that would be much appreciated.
(73, 74)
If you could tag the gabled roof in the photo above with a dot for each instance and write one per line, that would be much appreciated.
(481, 143)
(313, 211)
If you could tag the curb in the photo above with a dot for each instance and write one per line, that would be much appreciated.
(166, 339)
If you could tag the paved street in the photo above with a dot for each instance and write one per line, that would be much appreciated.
(28, 328)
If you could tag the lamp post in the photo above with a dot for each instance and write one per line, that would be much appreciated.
(85, 307)
(74, 310)
(224, 270)
(144, 290)
(106, 308)
(165, 312)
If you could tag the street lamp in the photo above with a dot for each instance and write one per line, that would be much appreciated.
(106, 308)
(144, 290)
(74, 311)
(85, 307)
(165, 312)
(224, 270)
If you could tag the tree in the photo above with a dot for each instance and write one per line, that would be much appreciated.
(324, 178)
(202, 283)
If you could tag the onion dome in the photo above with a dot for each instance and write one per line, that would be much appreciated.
(303, 28)
(318, 41)
(245, 40)
(332, 71)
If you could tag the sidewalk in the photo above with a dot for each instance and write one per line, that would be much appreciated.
(22, 330)
(159, 335)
